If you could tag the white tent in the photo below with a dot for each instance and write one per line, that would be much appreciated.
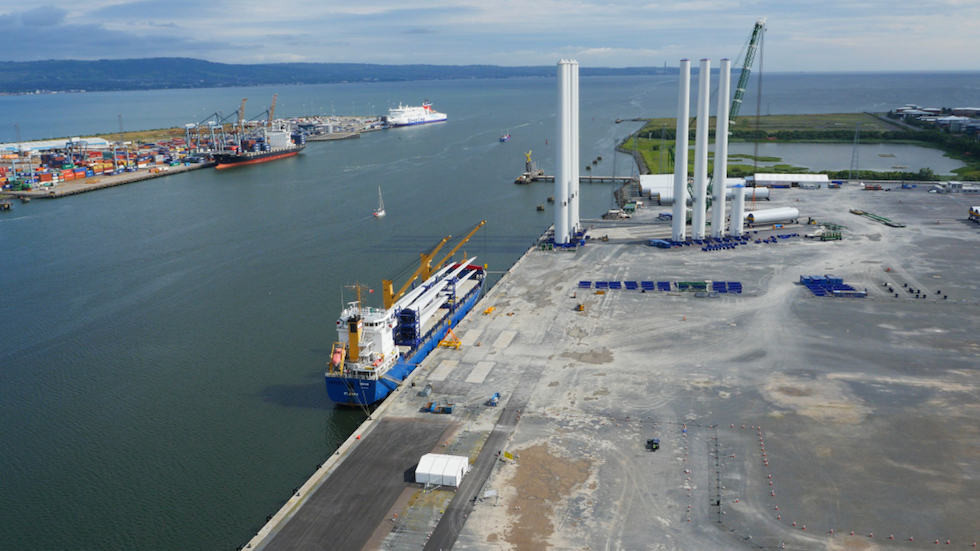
(441, 470)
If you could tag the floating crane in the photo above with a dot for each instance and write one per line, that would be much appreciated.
(743, 79)
(425, 269)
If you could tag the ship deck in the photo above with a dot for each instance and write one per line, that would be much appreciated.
(855, 417)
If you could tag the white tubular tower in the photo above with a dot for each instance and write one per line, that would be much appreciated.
(701, 152)
(721, 151)
(566, 174)
(738, 210)
(573, 179)
(679, 225)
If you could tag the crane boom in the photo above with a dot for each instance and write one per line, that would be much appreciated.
(426, 267)
(425, 261)
(428, 271)
(241, 113)
(272, 108)
(743, 78)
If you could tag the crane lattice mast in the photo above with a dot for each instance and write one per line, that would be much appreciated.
(743, 78)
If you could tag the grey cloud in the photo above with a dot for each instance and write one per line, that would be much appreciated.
(40, 16)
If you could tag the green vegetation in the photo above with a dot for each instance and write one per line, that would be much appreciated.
(657, 137)
(757, 158)
(659, 158)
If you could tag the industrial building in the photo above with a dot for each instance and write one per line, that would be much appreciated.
(441, 470)
(787, 180)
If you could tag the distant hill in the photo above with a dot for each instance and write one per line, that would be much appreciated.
(171, 72)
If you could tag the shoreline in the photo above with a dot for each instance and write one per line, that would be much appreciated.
(74, 188)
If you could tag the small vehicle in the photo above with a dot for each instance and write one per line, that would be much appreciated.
(653, 444)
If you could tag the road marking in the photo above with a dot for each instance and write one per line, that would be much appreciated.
(441, 372)
(469, 338)
(503, 341)
(480, 372)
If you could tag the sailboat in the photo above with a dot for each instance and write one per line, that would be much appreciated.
(380, 211)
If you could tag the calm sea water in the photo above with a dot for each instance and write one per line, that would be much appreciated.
(161, 372)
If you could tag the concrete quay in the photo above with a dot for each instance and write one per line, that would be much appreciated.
(786, 420)
(65, 189)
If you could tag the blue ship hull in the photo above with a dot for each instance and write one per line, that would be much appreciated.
(351, 391)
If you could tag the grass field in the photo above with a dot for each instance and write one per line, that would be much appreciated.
(659, 157)
(657, 144)
(775, 123)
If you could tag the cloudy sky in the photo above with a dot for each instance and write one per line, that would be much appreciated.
(833, 35)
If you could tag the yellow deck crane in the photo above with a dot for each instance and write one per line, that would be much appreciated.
(426, 267)
(272, 110)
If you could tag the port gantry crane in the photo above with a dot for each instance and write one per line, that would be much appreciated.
(426, 267)
(755, 40)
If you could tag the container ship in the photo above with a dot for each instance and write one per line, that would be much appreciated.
(377, 348)
(405, 115)
(269, 147)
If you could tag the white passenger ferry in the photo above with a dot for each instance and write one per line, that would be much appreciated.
(408, 115)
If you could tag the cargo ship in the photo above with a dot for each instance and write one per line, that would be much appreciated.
(377, 348)
(269, 147)
(405, 115)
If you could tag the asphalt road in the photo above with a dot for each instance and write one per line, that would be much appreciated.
(344, 512)
(444, 536)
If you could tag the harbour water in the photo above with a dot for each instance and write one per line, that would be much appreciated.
(161, 373)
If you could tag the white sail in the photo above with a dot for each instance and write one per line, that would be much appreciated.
(380, 211)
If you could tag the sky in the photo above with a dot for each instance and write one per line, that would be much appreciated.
(832, 35)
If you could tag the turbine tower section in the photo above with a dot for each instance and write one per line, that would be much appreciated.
(679, 222)
(701, 152)
(563, 169)
(573, 179)
(721, 151)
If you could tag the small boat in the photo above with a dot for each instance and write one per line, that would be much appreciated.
(380, 211)
(505, 137)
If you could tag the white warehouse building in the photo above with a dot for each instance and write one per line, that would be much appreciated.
(788, 180)
(442, 470)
